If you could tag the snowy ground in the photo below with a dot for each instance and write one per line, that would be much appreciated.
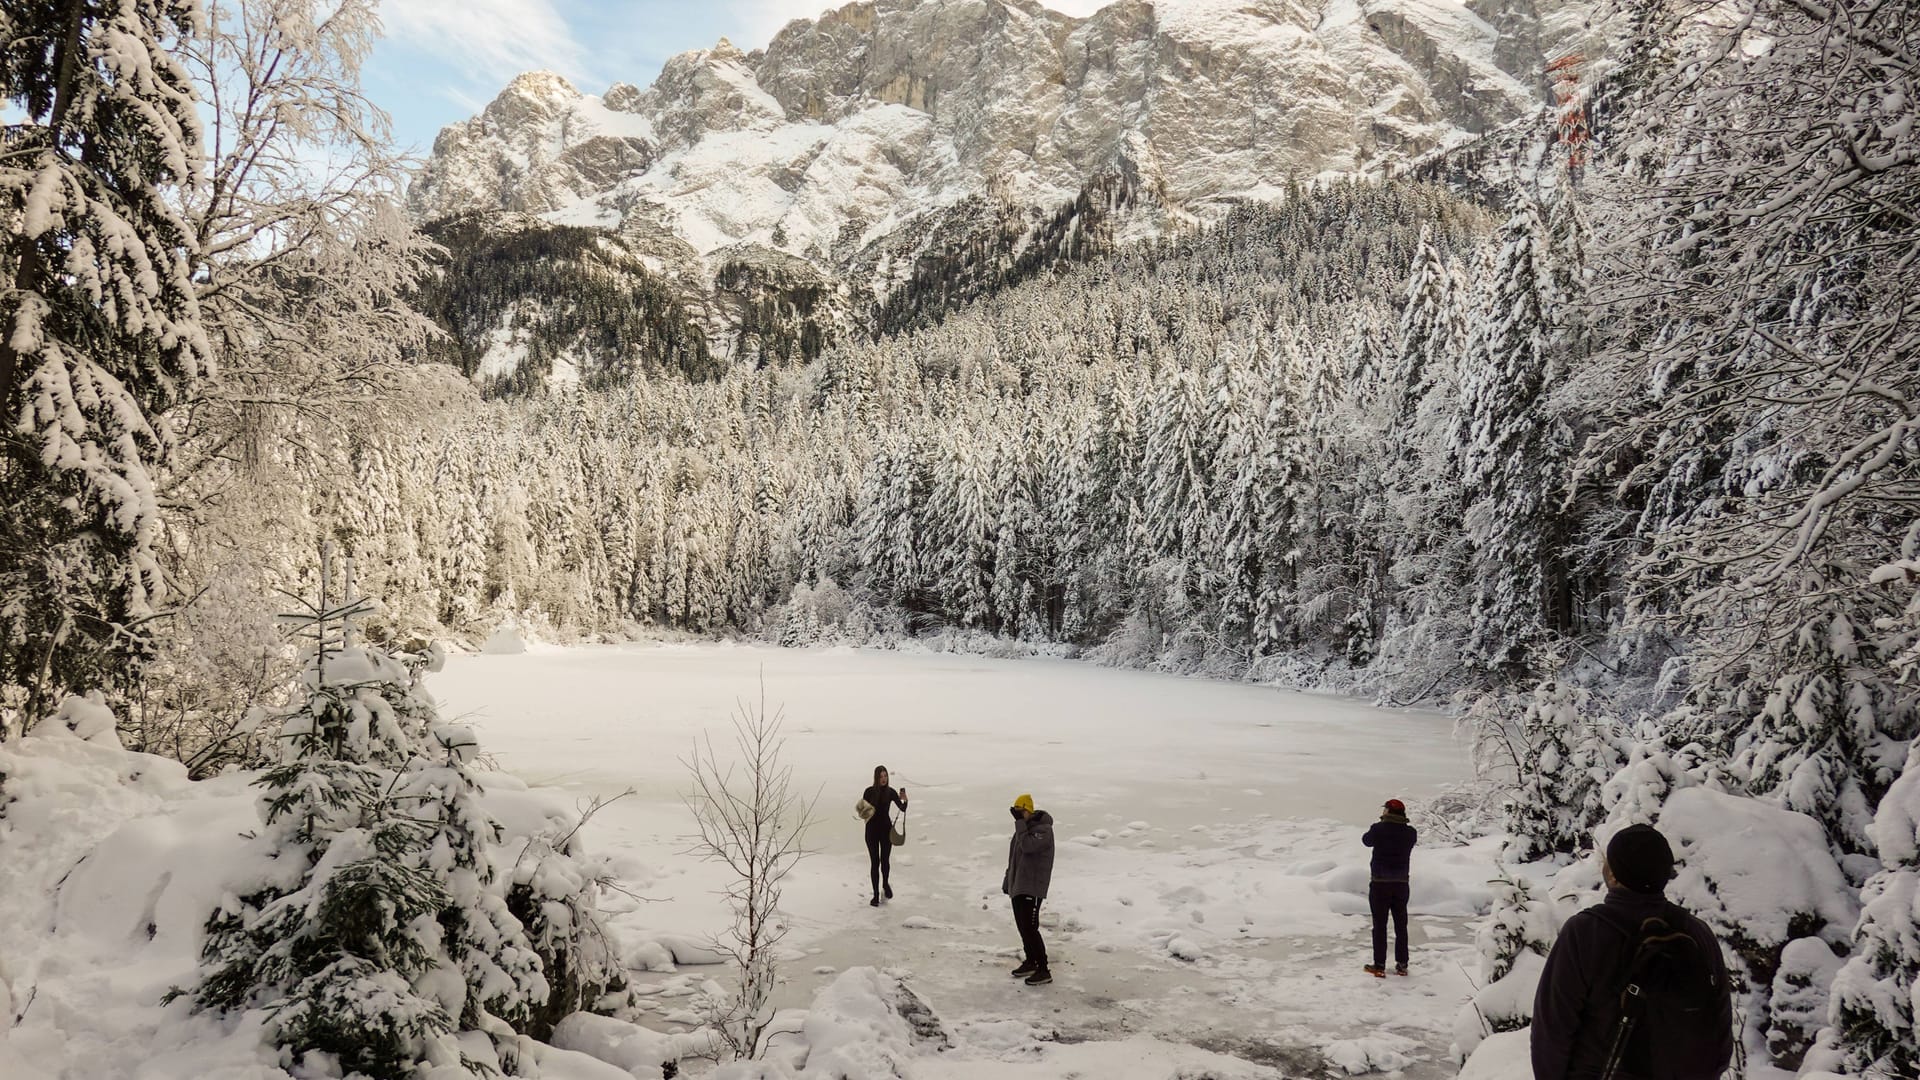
(1209, 872)
(1206, 899)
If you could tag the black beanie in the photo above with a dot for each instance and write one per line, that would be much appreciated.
(1641, 859)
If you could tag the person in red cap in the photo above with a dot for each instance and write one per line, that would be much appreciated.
(1392, 839)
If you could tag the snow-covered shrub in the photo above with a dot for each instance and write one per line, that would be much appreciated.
(1463, 812)
(825, 612)
(1558, 748)
(1513, 943)
(1132, 644)
(1520, 923)
(1876, 997)
(220, 667)
(554, 891)
(1832, 735)
(1797, 1004)
(1761, 876)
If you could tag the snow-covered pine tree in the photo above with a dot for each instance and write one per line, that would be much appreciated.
(1566, 281)
(891, 503)
(1428, 333)
(500, 983)
(962, 514)
(1833, 733)
(1020, 570)
(1518, 922)
(1559, 747)
(1178, 463)
(100, 332)
(379, 931)
(1285, 487)
(1515, 453)
(331, 944)
(1240, 529)
(1875, 1002)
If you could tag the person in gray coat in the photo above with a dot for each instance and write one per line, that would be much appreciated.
(1029, 872)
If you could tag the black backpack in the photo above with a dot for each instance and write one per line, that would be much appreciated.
(1668, 999)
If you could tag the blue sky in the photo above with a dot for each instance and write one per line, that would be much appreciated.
(443, 60)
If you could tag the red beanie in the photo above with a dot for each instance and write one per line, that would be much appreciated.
(1395, 806)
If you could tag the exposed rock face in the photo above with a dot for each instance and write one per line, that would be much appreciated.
(893, 144)
(848, 125)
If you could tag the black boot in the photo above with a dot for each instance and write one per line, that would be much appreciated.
(1041, 977)
(875, 902)
(889, 891)
(1027, 967)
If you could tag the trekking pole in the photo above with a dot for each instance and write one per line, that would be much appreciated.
(1621, 1033)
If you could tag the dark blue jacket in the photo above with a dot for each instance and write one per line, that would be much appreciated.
(1391, 839)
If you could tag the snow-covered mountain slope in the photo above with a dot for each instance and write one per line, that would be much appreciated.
(849, 125)
(827, 180)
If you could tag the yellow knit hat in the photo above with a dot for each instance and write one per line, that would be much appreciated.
(1024, 802)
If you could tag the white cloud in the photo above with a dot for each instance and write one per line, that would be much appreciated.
(492, 40)
(763, 18)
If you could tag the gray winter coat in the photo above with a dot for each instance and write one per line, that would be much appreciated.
(1030, 857)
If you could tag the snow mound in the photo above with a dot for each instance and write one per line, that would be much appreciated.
(1504, 1004)
(631, 1047)
(859, 1028)
(1751, 867)
(86, 718)
(112, 862)
(505, 641)
(1185, 949)
(1506, 1056)
(1371, 1053)
(664, 952)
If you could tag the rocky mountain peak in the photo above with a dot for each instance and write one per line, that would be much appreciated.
(531, 98)
(850, 125)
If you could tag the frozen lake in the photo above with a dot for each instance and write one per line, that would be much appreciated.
(1209, 870)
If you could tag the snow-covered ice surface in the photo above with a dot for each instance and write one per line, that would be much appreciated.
(1203, 917)
(1210, 885)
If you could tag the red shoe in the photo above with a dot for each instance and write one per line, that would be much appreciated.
(1401, 970)
(1375, 970)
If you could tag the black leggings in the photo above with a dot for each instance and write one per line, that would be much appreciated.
(879, 858)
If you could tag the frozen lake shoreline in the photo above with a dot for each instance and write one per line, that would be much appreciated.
(1209, 871)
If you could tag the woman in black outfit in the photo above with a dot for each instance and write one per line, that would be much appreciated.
(880, 829)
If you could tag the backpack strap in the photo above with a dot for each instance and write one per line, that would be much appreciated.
(1626, 992)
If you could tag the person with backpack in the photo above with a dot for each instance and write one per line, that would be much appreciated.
(1635, 987)
(1029, 872)
(876, 809)
(1390, 884)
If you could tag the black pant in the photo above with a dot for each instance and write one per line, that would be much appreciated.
(1026, 916)
(1388, 898)
(879, 857)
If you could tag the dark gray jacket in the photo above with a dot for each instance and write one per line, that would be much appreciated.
(1576, 1007)
(1030, 857)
